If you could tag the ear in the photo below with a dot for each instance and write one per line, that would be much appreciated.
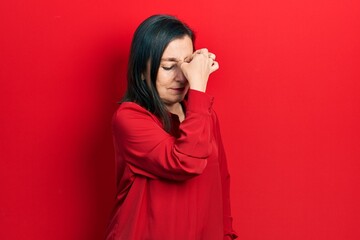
(143, 77)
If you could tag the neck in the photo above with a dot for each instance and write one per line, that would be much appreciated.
(176, 109)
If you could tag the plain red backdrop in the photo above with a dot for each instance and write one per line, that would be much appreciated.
(287, 95)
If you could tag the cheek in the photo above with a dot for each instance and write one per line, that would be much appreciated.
(164, 79)
(161, 86)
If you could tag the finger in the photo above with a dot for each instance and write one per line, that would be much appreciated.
(211, 62)
(197, 54)
(214, 67)
(204, 51)
(187, 59)
(201, 50)
(183, 64)
(190, 58)
(212, 56)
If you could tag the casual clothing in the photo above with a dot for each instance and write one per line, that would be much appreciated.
(170, 186)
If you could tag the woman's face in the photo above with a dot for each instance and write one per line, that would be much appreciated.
(171, 83)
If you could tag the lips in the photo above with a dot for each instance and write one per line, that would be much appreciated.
(179, 89)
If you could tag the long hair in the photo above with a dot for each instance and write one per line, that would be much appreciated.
(148, 45)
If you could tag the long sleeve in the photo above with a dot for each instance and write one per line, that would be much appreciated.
(225, 182)
(150, 151)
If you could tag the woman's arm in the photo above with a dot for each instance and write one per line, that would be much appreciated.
(150, 151)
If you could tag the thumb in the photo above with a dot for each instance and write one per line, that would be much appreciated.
(184, 66)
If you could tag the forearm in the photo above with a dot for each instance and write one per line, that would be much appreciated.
(151, 151)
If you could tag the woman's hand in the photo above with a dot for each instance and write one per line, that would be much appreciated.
(198, 67)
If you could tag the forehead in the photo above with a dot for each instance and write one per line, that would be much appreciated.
(178, 49)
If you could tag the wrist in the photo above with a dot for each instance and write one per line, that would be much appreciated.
(201, 87)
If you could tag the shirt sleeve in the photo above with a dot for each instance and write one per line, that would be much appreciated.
(149, 150)
(225, 182)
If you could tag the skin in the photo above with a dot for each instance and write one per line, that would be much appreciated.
(182, 69)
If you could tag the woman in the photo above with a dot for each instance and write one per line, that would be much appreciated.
(172, 175)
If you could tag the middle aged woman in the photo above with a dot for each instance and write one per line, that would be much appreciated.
(172, 176)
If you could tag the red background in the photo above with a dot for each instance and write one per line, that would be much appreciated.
(287, 95)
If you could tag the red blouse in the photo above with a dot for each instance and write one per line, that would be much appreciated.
(170, 186)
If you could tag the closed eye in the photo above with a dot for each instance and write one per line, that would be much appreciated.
(168, 68)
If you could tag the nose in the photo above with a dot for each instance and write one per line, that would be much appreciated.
(180, 77)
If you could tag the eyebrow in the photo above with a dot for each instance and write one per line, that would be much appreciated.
(170, 59)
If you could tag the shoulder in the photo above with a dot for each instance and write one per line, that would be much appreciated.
(130, 108)
(130, 113)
